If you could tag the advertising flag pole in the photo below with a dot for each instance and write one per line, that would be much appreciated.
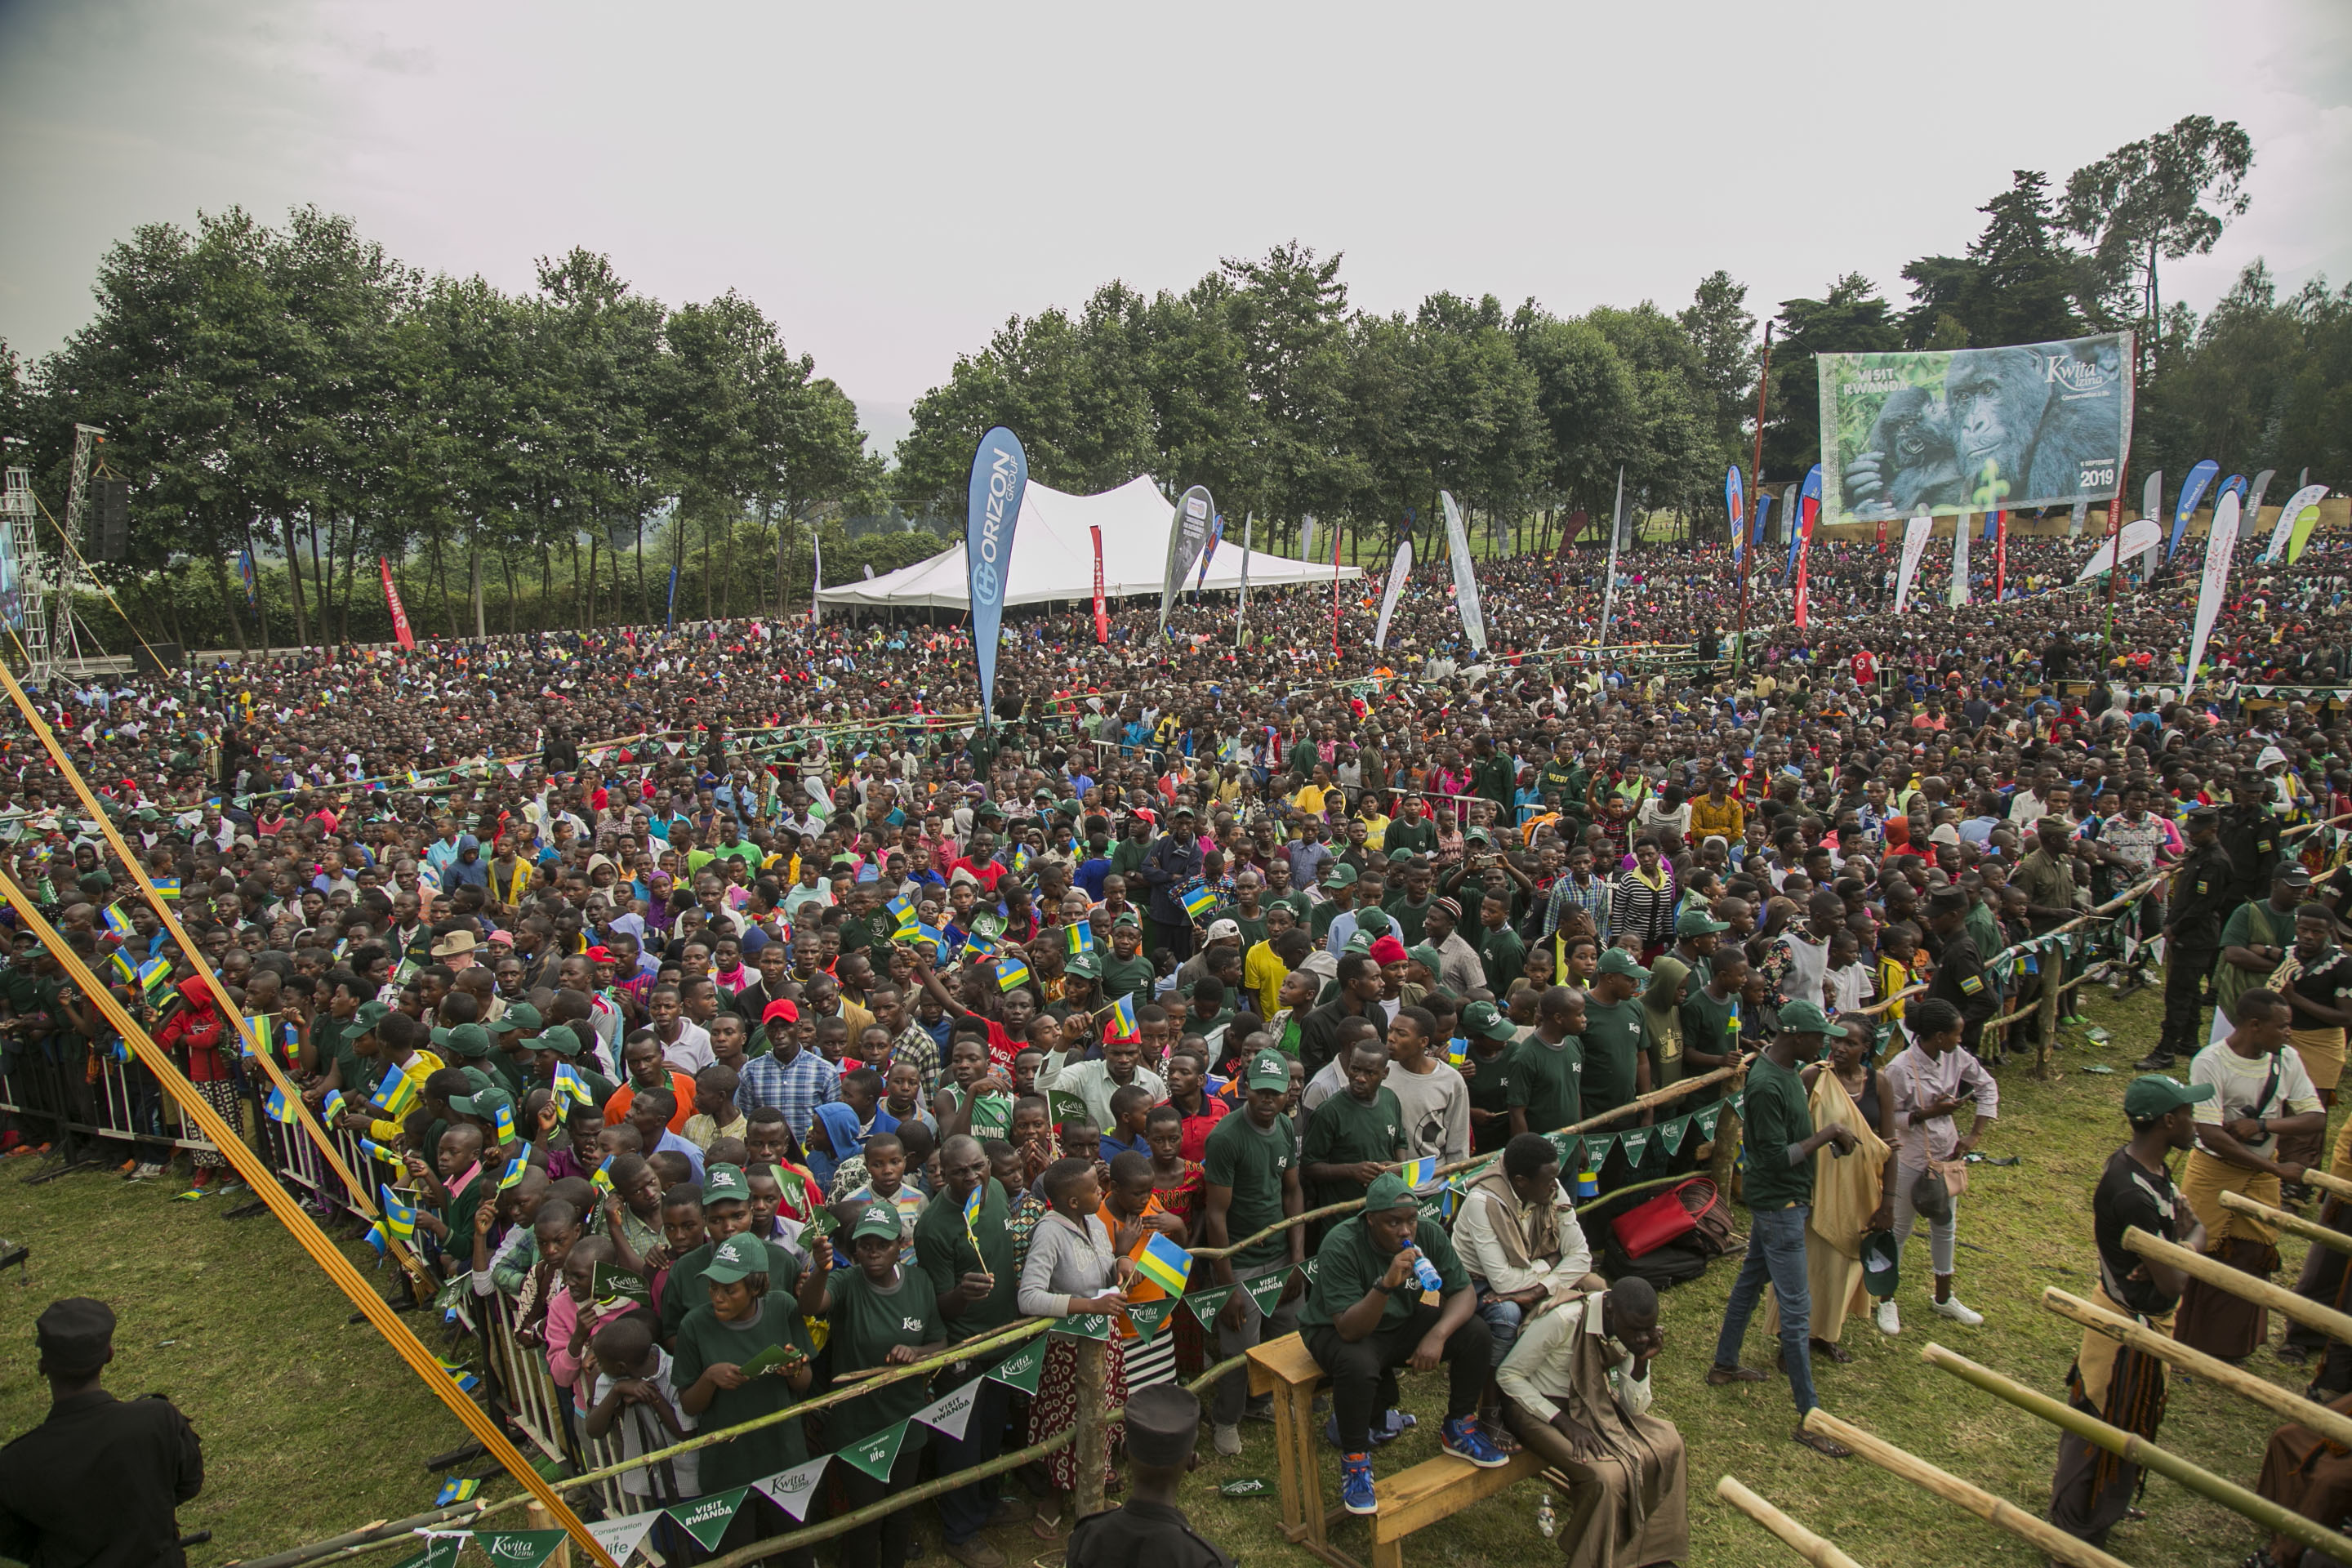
(1747, 557)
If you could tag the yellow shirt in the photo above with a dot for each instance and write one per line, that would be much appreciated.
(1263, 973)
(1376, 832)
(422, 1066)
(1309, 799)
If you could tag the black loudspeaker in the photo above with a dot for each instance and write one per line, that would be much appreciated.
(112, 535)
(157, 658)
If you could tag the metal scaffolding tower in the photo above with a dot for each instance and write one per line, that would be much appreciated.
(29, 618)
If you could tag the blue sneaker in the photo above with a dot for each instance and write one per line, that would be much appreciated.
(1465, 1441)
(1356, 1484)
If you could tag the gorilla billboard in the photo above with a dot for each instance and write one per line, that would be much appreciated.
(1965, 430)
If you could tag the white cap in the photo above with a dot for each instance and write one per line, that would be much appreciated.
(1221, 931)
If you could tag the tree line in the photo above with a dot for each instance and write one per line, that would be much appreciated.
(295, 396)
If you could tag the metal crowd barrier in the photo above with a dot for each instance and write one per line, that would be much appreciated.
(40, 1083)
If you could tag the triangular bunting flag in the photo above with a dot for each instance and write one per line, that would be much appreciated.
(1672, 1133)
(707, 1519)
(1705, 1117)
(440, 1552)
(951, 1411)
(791, 1490)
(1571, 1151)
(1266, 1289)
(1023, 1368)
(1081, 1326)
(1739, 1103)
(619, 1537)
(1596, 1149)
(1147, 1316)
(518, 1548)
(1204, 1305)
(1635, 1142)
(876, 1454)
(1309, 1270)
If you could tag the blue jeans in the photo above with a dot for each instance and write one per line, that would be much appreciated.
(1776, 1248)
(1502, 1320)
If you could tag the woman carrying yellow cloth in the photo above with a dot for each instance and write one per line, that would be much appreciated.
(1850, 1193)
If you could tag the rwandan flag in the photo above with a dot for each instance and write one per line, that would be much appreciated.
(603, 1175)
(515, 1168)
(167, 889)
(505, 1123)
(902, 911)
(1418, 1173)
(398, 1217)
(331, 1108)
(458, 1488)
(124, 967)
(1123, 1025)
(154, 975)
(570, 1085)
(1080, 938)
(277, 1106)
(977, 945)
(117, 923)
(396, 1095)
(1012, 972)
(1164, 1262)
(379, 1152)
(1199, 901)
(971, 1213)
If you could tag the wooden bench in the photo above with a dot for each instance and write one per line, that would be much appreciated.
(1409, 1500)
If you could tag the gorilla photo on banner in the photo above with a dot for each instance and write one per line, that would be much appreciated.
(1968, 430)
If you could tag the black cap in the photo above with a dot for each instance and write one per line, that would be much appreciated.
(74, 1335)
(1162, 1423)
(2204, 814)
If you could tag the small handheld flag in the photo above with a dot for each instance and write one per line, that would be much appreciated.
(971, 1215)
(154, 975)
(167, 889)
(1123, 1021)
(1011, 972)
(505, 1122)
(570, 1085)
(331, 1109)
(979, 944)
(275, 1105)
(1418, 1173)
(458, 1488)
(124, 967)
(1164, 1261)
(396, 1095)
(1457, 1052)
(603, 1175)
(515, 1168)
(1079, 938)
(117, 923)
(378, 1150)
(1199, 900)
(399, 1218)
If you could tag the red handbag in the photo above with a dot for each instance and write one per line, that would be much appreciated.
(1669, 1216)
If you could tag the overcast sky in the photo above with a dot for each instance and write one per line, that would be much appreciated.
(891, 182)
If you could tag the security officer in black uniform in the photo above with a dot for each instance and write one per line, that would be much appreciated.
(1150, 1531)
(2250, 836)
(95, 1485)
(2203, 894)
(1960, 978)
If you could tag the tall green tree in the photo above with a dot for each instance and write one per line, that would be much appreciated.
(1723, 330)
(1852, 318)
(2019, 283)
(2165, 197)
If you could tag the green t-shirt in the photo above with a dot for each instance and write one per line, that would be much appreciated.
(1126, 977)
(1549, 1081)
(1252, 930)
(1419, 836)
(1706, 1026)
(330, 1044)
(704, 1342)
(945, 1253)
(1409, 916)
(1776, 1115)
(1615, 1034)
(1505, 956)
(866, 1323)
(1490, 1081)
(1347, 1264)
(1253, 1163)
(1345, 1130)
(683, 1292)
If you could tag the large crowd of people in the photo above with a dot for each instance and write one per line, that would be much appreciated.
(744, 961)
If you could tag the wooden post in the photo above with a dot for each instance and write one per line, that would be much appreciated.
(1812, 1548)
(2336, 1186)
(2292, 1224)
(1094, 1435)
(1724, 1155)
(2262, 1292)
(2197, 1364)
(2138, 1450)
(2052, 962)
(536, 1517)
(2047, 1538)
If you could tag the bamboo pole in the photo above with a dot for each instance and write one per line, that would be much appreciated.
(2335, 1186)
(1093, 1427)
(307, 1235)
(2292, 1224)
(2137, 1450)
(2047, 1537)
(2237, 1283)
(1814, 1549)
(2197, 1364)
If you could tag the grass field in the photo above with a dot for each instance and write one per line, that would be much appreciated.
(312, 1427)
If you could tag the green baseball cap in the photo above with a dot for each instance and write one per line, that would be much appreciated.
(1617, 960)
(1485, 1018)
(1128, 919)
(563, 1040)
(2152, 1094)
(737, 1257)
(369, 1015)
(1085, 966)
(1374, 922)
(1698, 923)
(721, 1182)
(465, 1039)
(1358, 942)
(881, 1220)
(1400, 855)
(1268, 1069)
(1341, 875)
(1804, 1018)
(521, 1017)
(1388, 1191)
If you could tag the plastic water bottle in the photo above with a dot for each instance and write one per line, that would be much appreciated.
(1426, 1272)
(1547, 1520)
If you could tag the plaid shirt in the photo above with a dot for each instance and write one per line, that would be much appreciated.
(1592, 898)
(797, 1088)
(915, 1044)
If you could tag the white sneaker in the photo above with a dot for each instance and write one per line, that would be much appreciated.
(1228, 1441)
(1966, 1317)
(1890, 1322)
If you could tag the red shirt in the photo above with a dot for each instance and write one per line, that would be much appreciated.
(1197, 1128)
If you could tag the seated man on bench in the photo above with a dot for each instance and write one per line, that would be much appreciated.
(1365, 1318)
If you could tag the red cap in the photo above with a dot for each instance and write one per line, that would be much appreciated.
(782, 1007)
(1388, 950)
(600, 955)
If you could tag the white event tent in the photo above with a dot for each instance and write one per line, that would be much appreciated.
(1053, 556)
